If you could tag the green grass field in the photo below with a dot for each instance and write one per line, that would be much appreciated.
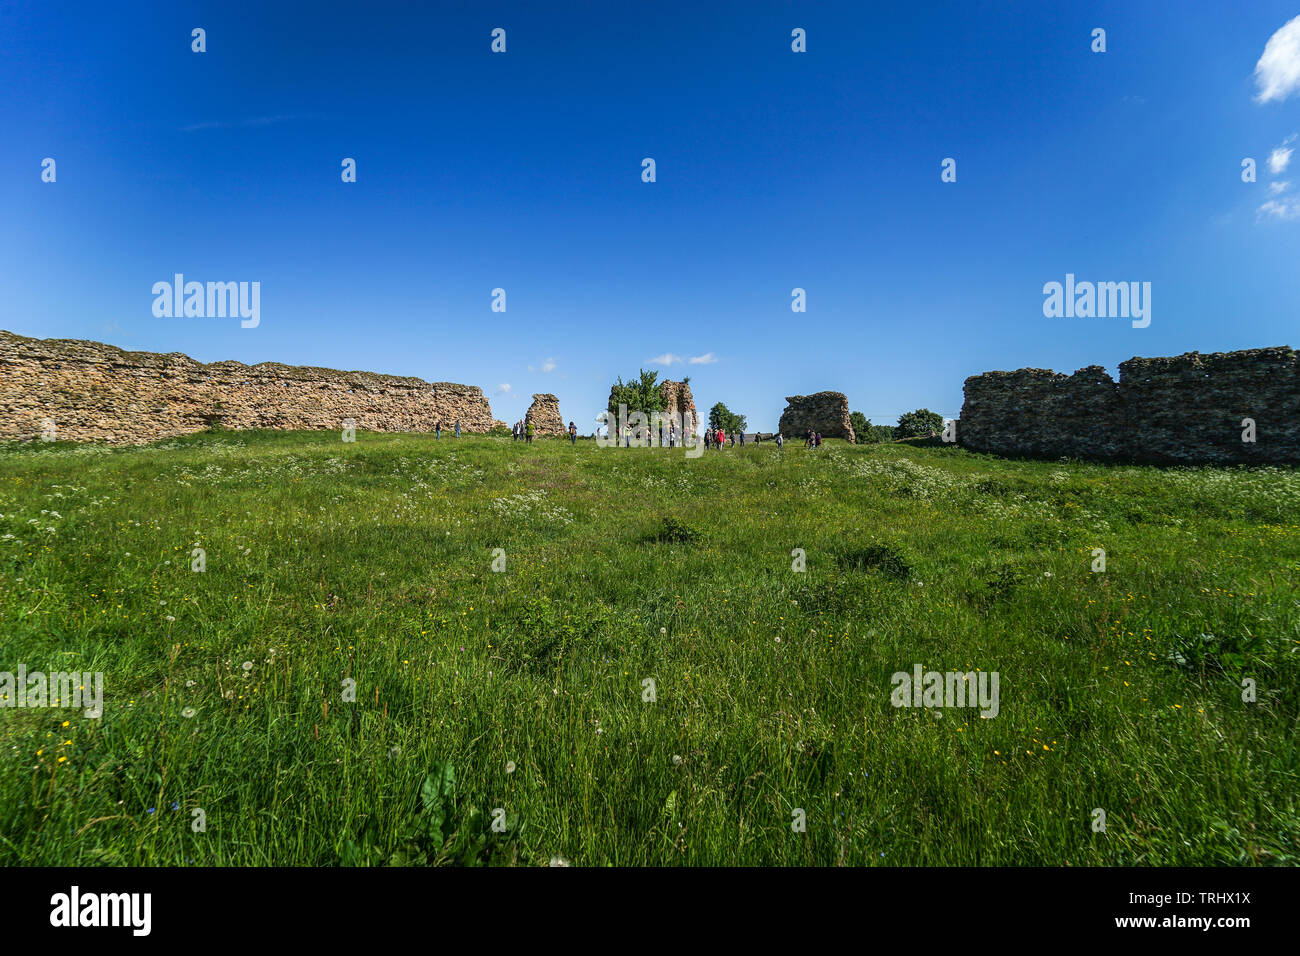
(523, 691)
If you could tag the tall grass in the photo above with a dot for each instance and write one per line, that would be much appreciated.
(647, 681)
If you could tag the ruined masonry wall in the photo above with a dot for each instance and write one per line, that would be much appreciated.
(1182, 410)
(96, 392)
(826, 413)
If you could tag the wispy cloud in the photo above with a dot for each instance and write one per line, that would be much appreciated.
(1287, 210)
(547, 366)
(503, 388)
(1276, 188)
(672, 358)
(238, 124)
(1277, 74)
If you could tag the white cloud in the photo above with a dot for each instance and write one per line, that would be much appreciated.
(1277, 74)
(672, 358)
(1280, 158)
(1275, 188)
(547, 366)
(503, 388)
(1287, 210)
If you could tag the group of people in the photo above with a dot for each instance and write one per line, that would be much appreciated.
(812, 439)
(667, 439)
(437, 429)
(717, 438)
(525, 430)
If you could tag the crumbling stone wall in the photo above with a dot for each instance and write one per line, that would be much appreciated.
(826, 413)
(1041, 414)
(96, 392)
(1182, 410)
(679, 401)
(544, 413)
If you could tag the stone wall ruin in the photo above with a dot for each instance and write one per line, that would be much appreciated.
(826, 413)
(544, 413)
(1188, 409)
(96, 392)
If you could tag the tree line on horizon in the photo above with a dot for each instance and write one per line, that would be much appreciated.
(644, 393)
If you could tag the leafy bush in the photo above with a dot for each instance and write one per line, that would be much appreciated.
(919, 424)
(866, 433)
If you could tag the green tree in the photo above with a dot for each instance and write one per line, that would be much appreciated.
(861, 427)
(642, 394)
(720, 416)
(919, 424)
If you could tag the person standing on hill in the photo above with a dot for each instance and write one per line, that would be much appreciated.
(458, 428)
(742, 439)
(437, 429)
(818, 440)
(573, 434)
(529, 428)
(780, 442)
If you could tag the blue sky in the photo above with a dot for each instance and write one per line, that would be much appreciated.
(775, 170)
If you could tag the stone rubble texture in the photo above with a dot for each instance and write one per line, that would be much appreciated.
(679, 401)
(544, 413)
(97, 392)
(826, 413)
(1182, 410)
